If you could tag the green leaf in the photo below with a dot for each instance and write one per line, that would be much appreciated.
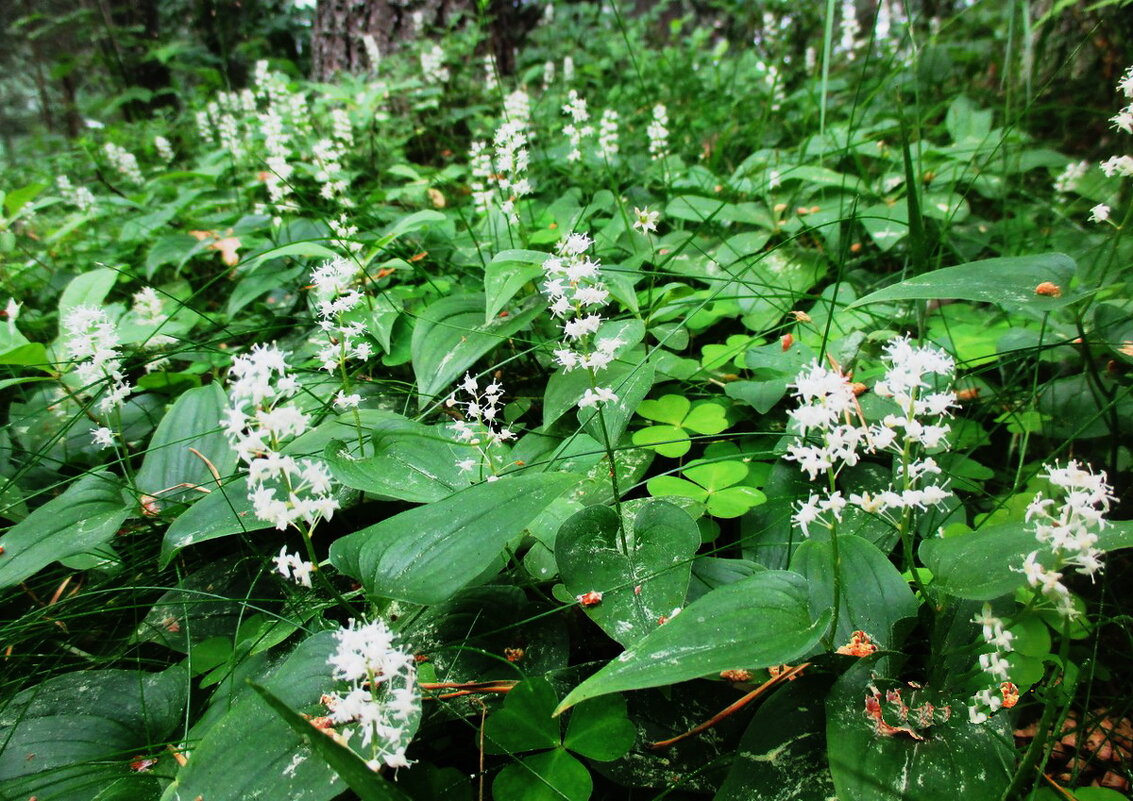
(88, 289)
(755, 622)
(451, 335)
(669, 409)
(985, 564)
(600, 730)
(1009, 282)
(667, 440)
(874, 595)
(782, 756)
(608, 421)
(246, 750)
(192, 422)
(706, 418)
(417, 467)
(225, 511)
(524, 722)
(84, 517)
(346, 764)
(507, 273)
(550, 776)
(638, 587)
(18, 198)
(956, 759)
(307, 250)
(734, 501)
(70, 737)
(427, 554)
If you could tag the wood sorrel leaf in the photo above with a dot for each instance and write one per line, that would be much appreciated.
(549, 776)
(640, 586)
(755, 622)
(427, 554)
(524, 722)
(600, 730)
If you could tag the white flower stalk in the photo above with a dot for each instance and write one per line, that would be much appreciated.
(328, 155)
(344, 232)
(850, 29)
(499, 177)
(78, 196)
(341, 128)
(491, 74)
(608, 135)
(1067, 526)
(373, 53)
(124, 162)
(829, 409)
(433, 69)
(164, 149)
(568, 70)
(482, 426)
(284, 491)
(381, 695)
(148, 306)
(994, 664)
(1067, 180)
(92, 341)
(334, 295)
(658, 133)
(577, 294)
(578, 128)
(1122, 121)
(548, 75)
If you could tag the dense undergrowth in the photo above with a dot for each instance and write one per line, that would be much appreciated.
(438, 432)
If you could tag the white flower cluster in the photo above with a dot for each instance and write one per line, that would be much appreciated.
(850, 29)
(568, 69)
(328, 155)
(92, 341)
(164, 149)
(608, 135)
(123, 161)
(373, 52)
(433, 69)
(578, 128)
(990, 699)
(1067, 180)
(293, 567)
(491, 72)
(334, 294)
(78, 196)
(501, 179)
(283, 489)
(1068, 527)
(658, 132)
(148, 306)
(382, 695)
(1123, 121)
(829, 408)
(481, 424)
(574, 286)
(342, 130)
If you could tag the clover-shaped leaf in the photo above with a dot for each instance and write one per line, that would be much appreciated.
(599, 730)
(676, 416)
(730, 354)
(714, 484)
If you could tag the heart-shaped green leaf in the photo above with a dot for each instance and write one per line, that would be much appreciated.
(524, 722)
(706, 418)
(600, 729)
(639, 587)
(550, 776)
(668, 409)
(667, 440)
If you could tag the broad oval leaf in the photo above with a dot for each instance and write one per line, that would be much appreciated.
(639, 587)
(418, 467)
(225, 511)
(758, 621)
(874, 596)
(450, 336)
(76, 734)
(427, 554)
(986, 564)
(192, 422)
(956, 758)
(1007, 282)
(84, 517)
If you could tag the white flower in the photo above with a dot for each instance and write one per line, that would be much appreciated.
(103, 437)
(592, 397)
(292, 566)
(1099, 213)
(658, 132)
(645, 220)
